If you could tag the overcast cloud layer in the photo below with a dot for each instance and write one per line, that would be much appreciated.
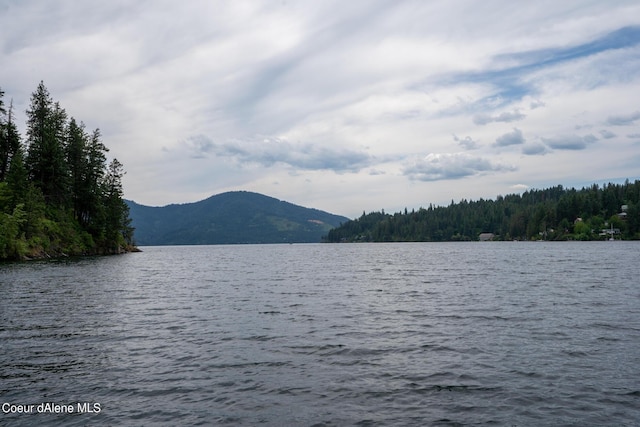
(341, 106)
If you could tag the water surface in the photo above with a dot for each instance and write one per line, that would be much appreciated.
(499, 333)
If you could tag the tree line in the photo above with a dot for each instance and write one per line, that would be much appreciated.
(58, 194)
(557, 213)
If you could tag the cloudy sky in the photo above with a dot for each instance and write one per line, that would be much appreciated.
(342, 106)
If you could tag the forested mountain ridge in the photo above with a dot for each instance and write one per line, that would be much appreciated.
(58, 195)
(230, 218)
(556, 213)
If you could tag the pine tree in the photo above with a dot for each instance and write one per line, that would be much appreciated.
(57, 195)
(12, 170)
(45, 160)
(118, 230)
(76, 148)
(4, 155)
(92, 213)
(9, 138)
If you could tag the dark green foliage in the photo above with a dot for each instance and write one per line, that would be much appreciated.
(45, 147)
(117, 230)
(230, 218)
(9, 139)
(57, 195)
(552, 214)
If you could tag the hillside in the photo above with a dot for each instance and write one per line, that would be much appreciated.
(557, 213)
(230, 218)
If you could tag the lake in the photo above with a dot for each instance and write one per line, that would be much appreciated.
(424, 334)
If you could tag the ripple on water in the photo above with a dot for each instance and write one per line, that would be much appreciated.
(398, 334)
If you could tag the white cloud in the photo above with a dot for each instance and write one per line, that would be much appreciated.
(534, 149)
(623, 119)
(536, 103)
(607, 134)
(447, 166)
(467, 142)
(270, 152)
(515, 137)
(519, 187)
(507, 116)
(206, 96)
(570, 142)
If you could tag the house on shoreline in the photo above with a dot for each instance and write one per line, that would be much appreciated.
(486, 237)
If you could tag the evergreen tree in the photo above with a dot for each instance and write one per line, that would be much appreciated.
(76, 148)
(117, 222)
(57, 195)
(17, 178)
(45, 153)
(9, 138)
(12, 171)
(4, 151)
(92, 206)
(551, 214)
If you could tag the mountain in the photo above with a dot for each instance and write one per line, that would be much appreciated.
(229, 218)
